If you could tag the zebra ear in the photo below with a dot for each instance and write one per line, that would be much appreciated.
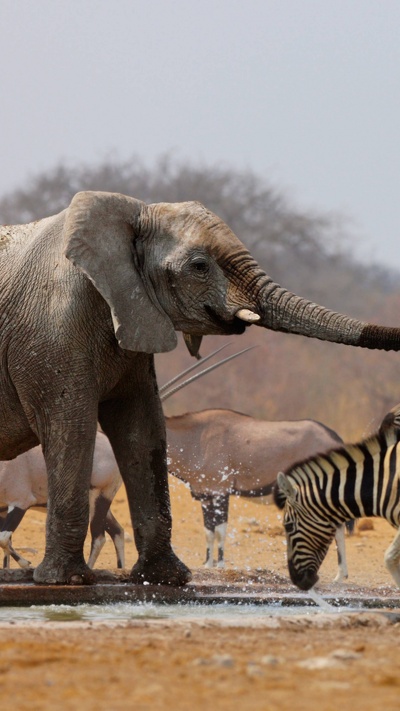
(286, 488)
(391, 421)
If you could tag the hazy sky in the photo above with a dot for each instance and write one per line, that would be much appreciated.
(304, 92)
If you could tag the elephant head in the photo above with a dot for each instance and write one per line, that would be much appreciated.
(170, 267)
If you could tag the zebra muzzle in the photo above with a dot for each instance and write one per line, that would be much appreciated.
(303, 579)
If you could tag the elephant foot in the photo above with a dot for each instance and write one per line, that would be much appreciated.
(50, 572)
(163, 569)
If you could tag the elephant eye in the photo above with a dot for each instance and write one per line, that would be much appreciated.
(200, 265)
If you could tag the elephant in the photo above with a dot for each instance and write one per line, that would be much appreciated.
(87, 297)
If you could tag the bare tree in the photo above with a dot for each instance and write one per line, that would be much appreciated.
(286, 377)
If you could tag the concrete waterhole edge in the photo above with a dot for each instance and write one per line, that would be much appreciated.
(271, 603)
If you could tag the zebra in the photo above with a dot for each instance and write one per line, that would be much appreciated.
(348, 482)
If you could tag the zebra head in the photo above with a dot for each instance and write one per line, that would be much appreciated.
(308, 534)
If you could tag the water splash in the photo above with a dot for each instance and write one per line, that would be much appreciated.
(319, 600)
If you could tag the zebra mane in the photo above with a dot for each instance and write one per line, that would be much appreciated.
(387, 435)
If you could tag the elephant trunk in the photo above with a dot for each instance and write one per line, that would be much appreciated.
(281, 310)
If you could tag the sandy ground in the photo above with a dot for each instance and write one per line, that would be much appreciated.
(264, 663)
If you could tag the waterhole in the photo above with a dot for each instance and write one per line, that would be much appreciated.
(131, 611)
(125, 611)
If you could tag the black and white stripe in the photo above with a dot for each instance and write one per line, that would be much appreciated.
(350, 482)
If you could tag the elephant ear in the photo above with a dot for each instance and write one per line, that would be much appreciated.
(100, 233)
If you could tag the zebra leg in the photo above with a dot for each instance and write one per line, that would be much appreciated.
(342, 573)
(392, 559)
(116, 533)
(10, 524)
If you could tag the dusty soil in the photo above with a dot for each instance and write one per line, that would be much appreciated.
(344, 660)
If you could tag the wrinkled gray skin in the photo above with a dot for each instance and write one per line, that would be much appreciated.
(219, 453)
(86, 298)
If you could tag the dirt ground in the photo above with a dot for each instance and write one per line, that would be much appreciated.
(341, 661)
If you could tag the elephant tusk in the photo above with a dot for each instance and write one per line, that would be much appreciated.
(247, 315)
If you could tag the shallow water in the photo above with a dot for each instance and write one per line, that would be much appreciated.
(124, 611)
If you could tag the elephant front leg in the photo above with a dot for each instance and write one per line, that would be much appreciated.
(69, 465)
(136, 431)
